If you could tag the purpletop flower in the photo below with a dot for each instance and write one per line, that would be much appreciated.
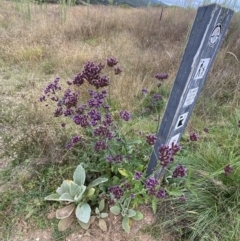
(151, 184)
(52, 87)
(138, 175)
(76, 139)
(227, 170)
(151, 139)
(116, 191)
(111, 61)
(81, 120)
(103, 131)
(161, 193)
(194, 136)
(144, 91)
(182, 198)
(161, 76)
(115, 159)
(117, 70)
(78, 80)
(100, 145)
(206, 130)
(180, 171)
(165, 155)
(125, 115)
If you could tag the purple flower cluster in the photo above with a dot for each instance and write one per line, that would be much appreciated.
(151, 139)
(161, 193)
(100, 146)
(144, 91)
(138, 175)
(156, 97)
(111, 61)
(115, 159)
(227, 170)
(180, 171)
(151, 184)
(160, 76)
(125, 115)
(166, 153)
(74, 141)
(51, 89)
(116, 191)
(194, 136)
(103, 131)
(182, 198)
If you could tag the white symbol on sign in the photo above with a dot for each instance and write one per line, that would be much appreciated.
(201, 69)
(181, 120)
(190, 97)
(215, 35)
(174, 139)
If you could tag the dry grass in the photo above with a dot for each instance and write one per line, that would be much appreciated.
(40, 42)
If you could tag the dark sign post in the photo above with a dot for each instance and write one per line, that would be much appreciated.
(209, 28)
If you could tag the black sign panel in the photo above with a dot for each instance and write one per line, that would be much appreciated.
(208, 31)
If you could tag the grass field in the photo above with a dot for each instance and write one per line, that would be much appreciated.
(41, 42)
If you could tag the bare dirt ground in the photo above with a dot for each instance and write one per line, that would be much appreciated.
(114, 233)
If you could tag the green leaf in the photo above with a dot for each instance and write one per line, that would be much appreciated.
(79, 175)
(84, 225)
(103, 215)
(125, 224)
(154, 205)
(102, 224)
(131, 213)
(83, 212)
(81, 191)
(175, 193)
(115, 210)
(98, 181)
(65, 223)
(74, 189)
(138, 216)
(123, 172)
(65, 211)
(97, 211)
(90, 192)
(101, 205)
(52, 197)
(65, 186)
(66, 197)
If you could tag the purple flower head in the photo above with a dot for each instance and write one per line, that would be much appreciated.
(108, 120)
(182, 198)
(69, 145)
(103, 131)
(161, 193)
(42, 98)
(81, 120)
(111, 61)
(227, 170)
(80, 109)
(159, 84)
(68, 112)
(206, 130)
(165, 155)
(78, 80)
(70, 99)
(100, 145)
(63, 124)
(180, 171)
(116, 191)
(151, 139)
(115, 159)
(194, 136)
(138, 175)
(161, 76)
(144, 91)
(132, 195)
(125, 115)
(58, 112)
(97, 98)
(151, 182)
(101, 81)
(92, 71)
(94, 115)
(117, 71)
(175, 148)
(156, 97)
(52, 87)
(76, 139)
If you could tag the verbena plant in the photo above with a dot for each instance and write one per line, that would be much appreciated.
(106, 151)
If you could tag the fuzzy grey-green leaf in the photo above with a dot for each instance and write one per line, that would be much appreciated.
(97, 181)
(102, 224)
(66, 197)
(131, 213)
(79, 175)
(83, 212)
(52, 197)
(73, 189)
(65, 223)
(138, 216)
(101, 205)
(125, 224)
(103, 215)
(115, 210)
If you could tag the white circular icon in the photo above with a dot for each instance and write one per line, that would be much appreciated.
(215, 35)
